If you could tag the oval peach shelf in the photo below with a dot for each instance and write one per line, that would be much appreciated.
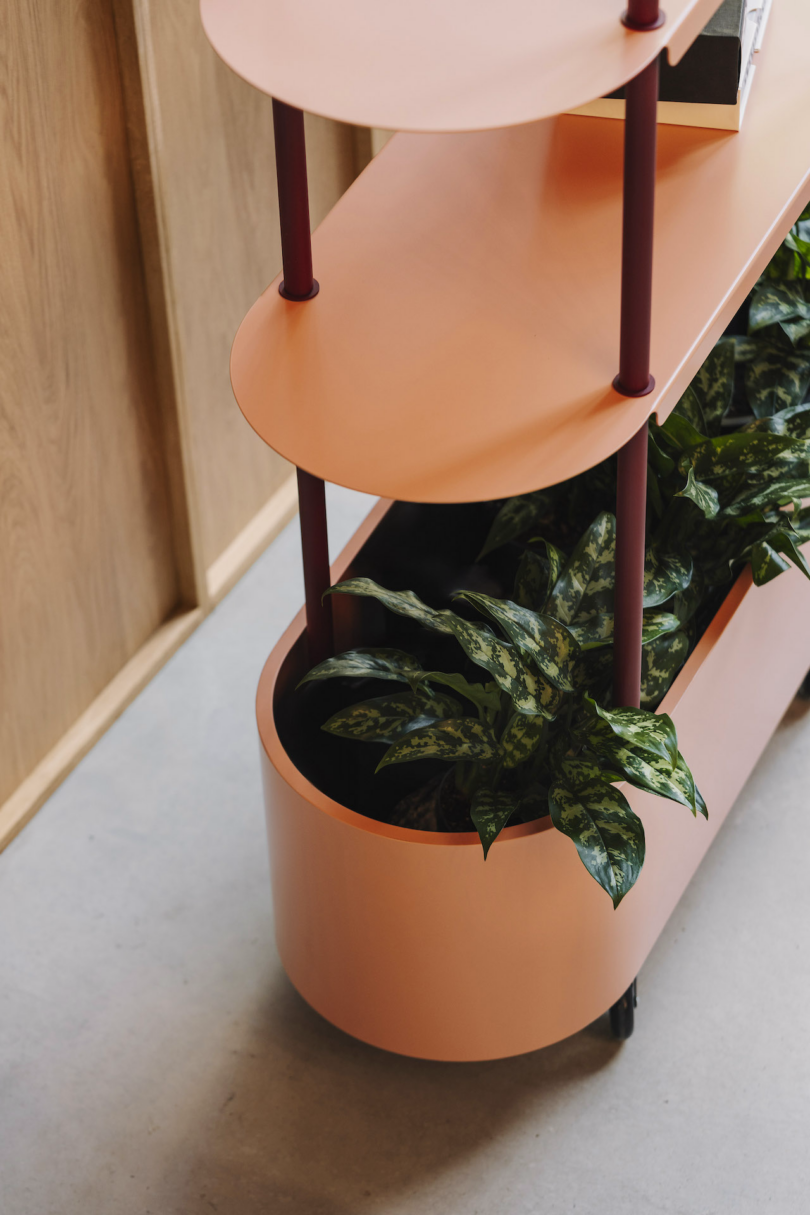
(466, 333)
(440, 65)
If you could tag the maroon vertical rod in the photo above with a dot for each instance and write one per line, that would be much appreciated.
(298, 285)
(314, 541)
(634, 379)
(293, 203)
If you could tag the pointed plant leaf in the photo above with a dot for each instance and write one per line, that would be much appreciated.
(660, 662)
(776, 379)
(491, 812)
(483, 696)
(388, 718)
(370, 664)
(773, 555)
(531, 580)
(458, 738)
(541, 638)
(713, 385)
(644, 770)
(607, 834)
(680, 433)
(689, 407)
(403, 603)
(585, 586)
(794, 421)
(773, 302)
(759, 499)
(598, 630)
(529, 694)
(520, 739)
(665, 575)
(515, 518)
(704, 496)
(650, 734)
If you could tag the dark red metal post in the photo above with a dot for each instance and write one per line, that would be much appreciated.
(315, 545)
(299, 285)
(634, 379)
(293, 203)
(631, 511)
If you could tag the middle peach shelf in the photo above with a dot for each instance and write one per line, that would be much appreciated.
(465, 337)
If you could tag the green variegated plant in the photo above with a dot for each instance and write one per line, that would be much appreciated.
(536, 736)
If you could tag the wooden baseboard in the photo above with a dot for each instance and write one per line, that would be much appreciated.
(61, 759)
(253, 540)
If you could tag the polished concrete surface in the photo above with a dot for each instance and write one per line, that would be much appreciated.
(154, 1060)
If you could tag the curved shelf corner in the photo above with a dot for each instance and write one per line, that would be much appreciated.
(465, 337)
(436, 65)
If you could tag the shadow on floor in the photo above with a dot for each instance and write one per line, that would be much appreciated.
(316, 1123)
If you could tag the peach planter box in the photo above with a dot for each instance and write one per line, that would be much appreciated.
(408, 940)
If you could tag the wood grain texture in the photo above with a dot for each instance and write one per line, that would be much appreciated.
(213, 171)
(122, 689)
(86, 562)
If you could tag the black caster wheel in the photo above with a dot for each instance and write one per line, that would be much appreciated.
(804, 690)
(621, 1014)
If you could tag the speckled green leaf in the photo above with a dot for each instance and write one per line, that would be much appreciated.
(660, 662)
(541, 638)
(766, 555)
(585, 586)
(479, 643)
(746, 457)
(794, 422)
(484, 696)
(529, 693)
(531, 580)
(713, 385)
(598, 630)
(689, 407)
(644, 770)
(650, 734)
(776, 379)
(777, 493)
(369, 664)
(520, 739)
(665, 574)
(774, 302)
(704, 496)
(491, 812)
(516, 517)
(403, 603)
(459, 738)
(608, 836)
(796, 331)
(388, 718)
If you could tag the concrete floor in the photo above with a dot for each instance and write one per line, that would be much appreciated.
(154, 1059)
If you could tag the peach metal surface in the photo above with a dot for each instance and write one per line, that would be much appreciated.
(411, 942)
(440, 65)
(466, 333)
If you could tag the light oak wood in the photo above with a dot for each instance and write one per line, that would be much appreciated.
(87, 567)
(253, 539)
(212, 175)
(98, 717)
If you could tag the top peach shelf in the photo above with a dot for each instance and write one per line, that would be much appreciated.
(441, 65)
(466, 333)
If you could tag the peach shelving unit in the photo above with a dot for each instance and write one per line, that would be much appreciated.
(478, 288)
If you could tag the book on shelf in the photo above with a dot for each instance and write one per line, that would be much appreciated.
(711, 85)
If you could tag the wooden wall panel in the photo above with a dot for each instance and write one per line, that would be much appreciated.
(213, 174)
(87, 567)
